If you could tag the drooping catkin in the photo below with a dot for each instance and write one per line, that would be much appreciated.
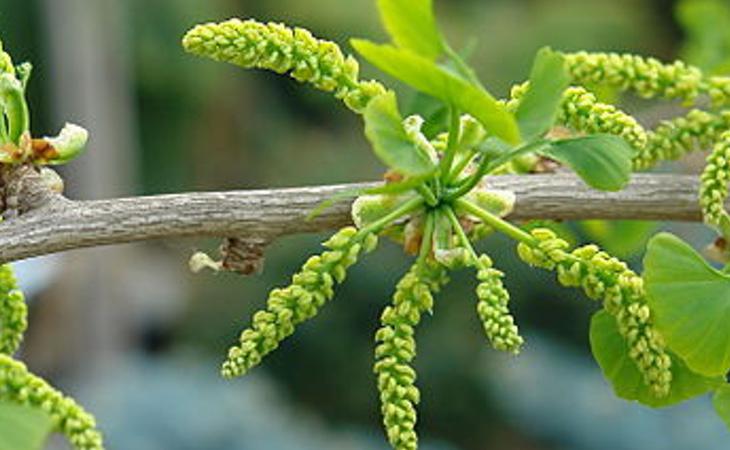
(603, 277)
(493, 309)
(287, 307)
(714, 186)
(13, 312)
(396, 349)
(19, 386)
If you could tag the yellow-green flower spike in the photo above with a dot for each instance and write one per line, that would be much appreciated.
(582, 111)
(602, 276)
(19, 386)
(310, 289)
(648, 77)
(13, 312)
(273, 46)
(673, 139)
(714, 186)
(493, 310)
(396, 349)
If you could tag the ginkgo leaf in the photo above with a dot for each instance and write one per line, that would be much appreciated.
(412, 25)
(384, 129)
(721, 403)
(538, 109)
(603, 161)
(424, 75)
(691, 303)
(612, 354)
(23, 427)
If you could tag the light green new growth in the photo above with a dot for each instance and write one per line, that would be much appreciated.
(310, 289)
(13, 312)
(604, 277)
(493, 310)
(396, 349)
(20, 386)
(273, 46)
(6, 62)
(714, 186)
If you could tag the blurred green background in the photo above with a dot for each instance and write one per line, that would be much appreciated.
(138, 339)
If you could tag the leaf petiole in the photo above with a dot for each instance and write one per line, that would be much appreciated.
(497, 223)
(452, 144)
(404, 209)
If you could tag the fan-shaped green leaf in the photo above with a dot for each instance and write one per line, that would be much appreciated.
(612, 354)
(23, 427)
(691, 303)
(384, 130)
(721, 402)
(412, 25)
(539, 107)
(424, 75)
(603, 161)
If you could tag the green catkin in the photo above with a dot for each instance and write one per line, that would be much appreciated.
(287, 307)
(13, 312)
(714, 186)
(493, 310)
(396, 349)
(672, 139)
(648, 77)
(19, 386)
(604, 277)
(273, 46)
(581, 110)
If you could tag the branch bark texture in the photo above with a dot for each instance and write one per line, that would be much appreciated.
(62, 224)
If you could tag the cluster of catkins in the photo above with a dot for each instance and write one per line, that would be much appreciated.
(272, 46)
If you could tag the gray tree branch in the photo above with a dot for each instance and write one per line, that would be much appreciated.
(62, 224)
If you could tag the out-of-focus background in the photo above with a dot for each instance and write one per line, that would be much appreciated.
(138, 339)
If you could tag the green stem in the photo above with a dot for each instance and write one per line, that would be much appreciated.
(486, 166)
(427, 194)
(461, 165)
(427, 239)
(507, 157)
(497, 223)
(468, 184)
(462, 235)
(404, 209)
(451, 146)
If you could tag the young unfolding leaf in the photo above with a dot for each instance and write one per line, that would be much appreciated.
(69, 144)
(412, 25)
(539, 107)
(12, 103)
(603, 161)
(612, 354)
(23, 427)
(721, 402)
(424, 75)
(384, 129)
(691, 302)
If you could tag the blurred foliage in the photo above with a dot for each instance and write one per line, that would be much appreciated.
(706, 24)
